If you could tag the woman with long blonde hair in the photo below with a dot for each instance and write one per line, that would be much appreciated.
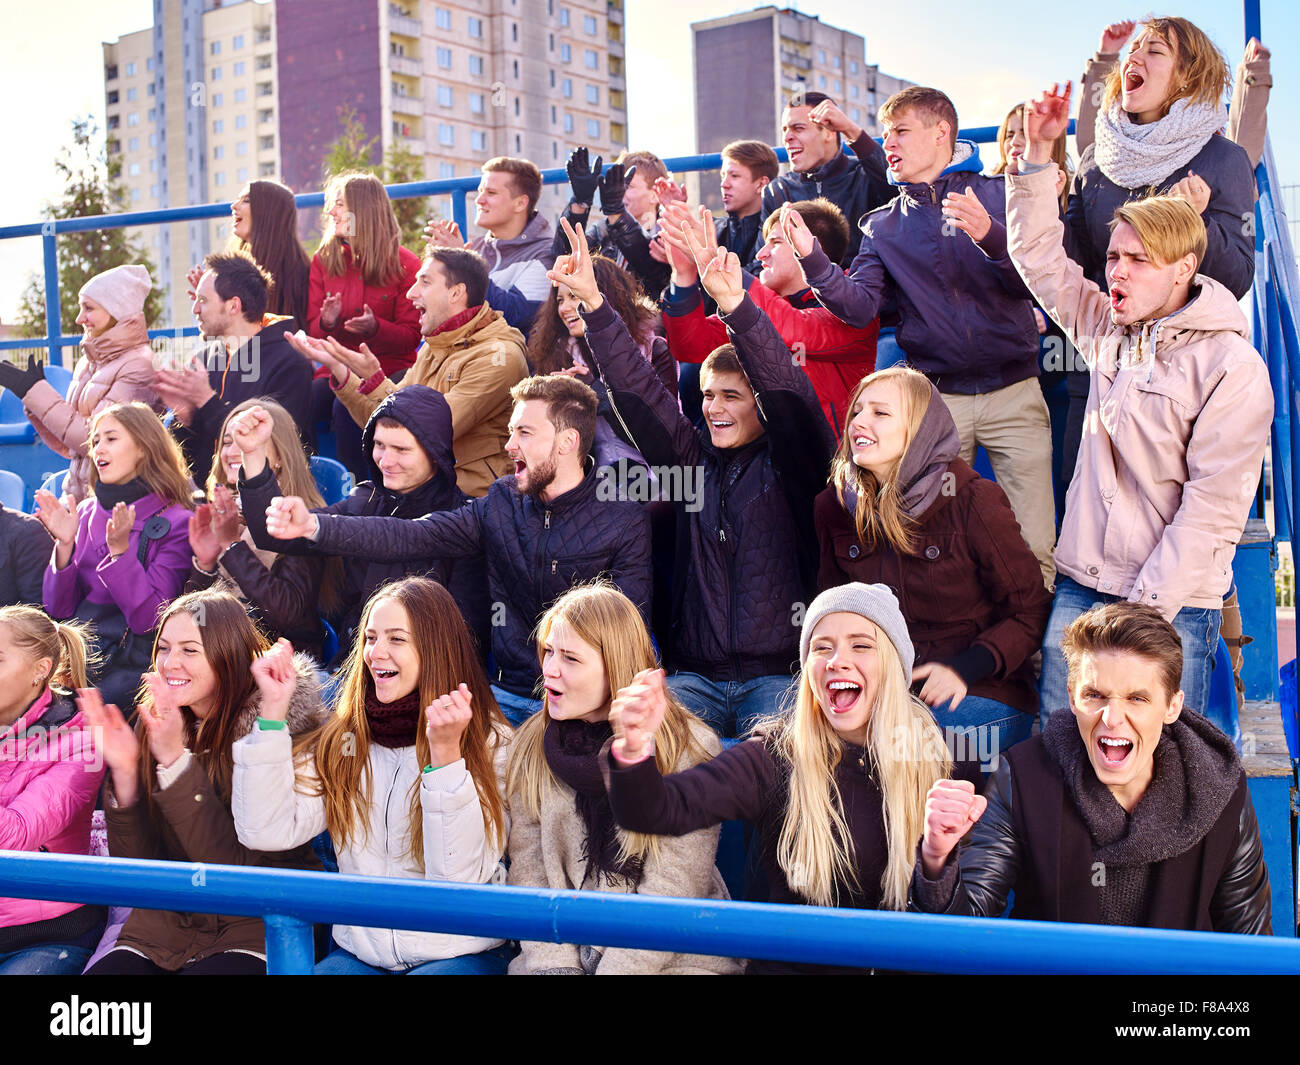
(903, 509)
(836, 784)
(405, 776)
(356, 293)
(593, 643)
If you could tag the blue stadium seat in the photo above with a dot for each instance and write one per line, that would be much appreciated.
(14, 426)
(888, 353)
(1222, 708)
(12, 490)
(330, 645)
(332, 478)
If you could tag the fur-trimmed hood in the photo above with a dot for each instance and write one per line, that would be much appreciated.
(306, 707)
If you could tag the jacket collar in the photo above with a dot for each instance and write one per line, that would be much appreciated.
(574, 497)
(965, 160)
(833, 168)
(129, 333)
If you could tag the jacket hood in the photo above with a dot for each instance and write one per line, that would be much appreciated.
(306, 708)
(425, 413)
(1211, 309)
(965, 160)
(533, 243)
(936, 444)
(129, 333)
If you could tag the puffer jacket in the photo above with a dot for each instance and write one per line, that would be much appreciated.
(856, 186)
(965, 318)
(517, 282)
(25, 549)
(1176, 426)
(270, 812)
(191, 822)
(49, 778)
(1186, 857)
(750, 514)
(115, 367)
(397, 321)
(425, 414)
(474, 364)
(534, 551)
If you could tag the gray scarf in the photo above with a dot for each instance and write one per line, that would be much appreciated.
(1134, 156)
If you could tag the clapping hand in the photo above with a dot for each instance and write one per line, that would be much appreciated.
(164, 723)
(117, 533)
(584, 177)
(330, 309)
(636, 714)
(443, 233)
(363, 324)
(59, 516)
(115, 742)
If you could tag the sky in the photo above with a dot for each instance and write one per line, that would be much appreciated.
(985, 66)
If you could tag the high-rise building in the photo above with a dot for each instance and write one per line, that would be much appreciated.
(748, 65)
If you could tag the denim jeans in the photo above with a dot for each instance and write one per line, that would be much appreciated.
(47, 959)
(730, 707)
(517, 708)
(1198, 629)
(338, 962)
(979, 731)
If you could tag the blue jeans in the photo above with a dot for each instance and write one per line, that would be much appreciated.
(980, 730)
(338, 962)
(47, 959)
(1198, 628)
(517, 708)
(730, 707)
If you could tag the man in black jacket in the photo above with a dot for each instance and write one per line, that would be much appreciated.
(810, 128)
(748, 167)
(541, 530)
(407, 444)
(1128, 810)
(743, 488)
(24, 553)
(248, 357)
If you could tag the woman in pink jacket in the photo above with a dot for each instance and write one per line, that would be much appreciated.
(49, 776)
(116, 366)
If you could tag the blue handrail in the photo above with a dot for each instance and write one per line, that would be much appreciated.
(291, 901)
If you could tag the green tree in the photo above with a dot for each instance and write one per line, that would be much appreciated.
(92, 185)
(352, 150)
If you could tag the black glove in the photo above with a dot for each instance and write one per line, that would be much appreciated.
(583, 178)
(20, 382)
(613, 187)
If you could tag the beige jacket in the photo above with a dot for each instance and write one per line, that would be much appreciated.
(1174, 433)
(551, 853)
(115, 367)
(474, 366)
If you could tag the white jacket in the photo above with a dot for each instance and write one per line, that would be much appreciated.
(271, 815)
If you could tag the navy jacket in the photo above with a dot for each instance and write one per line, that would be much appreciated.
(965, 317)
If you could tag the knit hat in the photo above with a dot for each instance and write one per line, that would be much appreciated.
(121, 291)
(875, 602)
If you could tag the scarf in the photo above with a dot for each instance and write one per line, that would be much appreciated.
(573, 754)
(1134, 156)
(110, 495)
(394, 724)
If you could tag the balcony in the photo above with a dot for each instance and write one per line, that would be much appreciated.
(614, 11)
(403, 24)
(405, 64)
(796, 59)
(408, 104)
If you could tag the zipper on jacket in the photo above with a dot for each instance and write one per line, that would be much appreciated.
(546, 521)
(392, 932)
(554, 563)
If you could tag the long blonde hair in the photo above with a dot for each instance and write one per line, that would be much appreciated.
(879, 517)
(447, 657)
(907, 750)
(602, 616)
(376, 237)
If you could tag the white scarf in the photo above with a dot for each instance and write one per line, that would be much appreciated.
(1134, 156)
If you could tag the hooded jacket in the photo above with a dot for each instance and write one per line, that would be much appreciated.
(49, 778)
(115, 367)
(965, 317)
(1177, 422)
(971, 591)
(474, 366)
(745, 514)
(517, 282)
(191, 822)
(856, 186)
(425, 414)
(1189, 855)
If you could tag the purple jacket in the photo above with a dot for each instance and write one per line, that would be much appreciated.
(138, 591)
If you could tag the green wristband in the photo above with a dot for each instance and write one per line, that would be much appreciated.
(267, 725)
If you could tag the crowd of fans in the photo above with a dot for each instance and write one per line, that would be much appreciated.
(643, 541)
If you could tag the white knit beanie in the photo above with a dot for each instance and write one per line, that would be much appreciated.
(875, 602)
(121, 291)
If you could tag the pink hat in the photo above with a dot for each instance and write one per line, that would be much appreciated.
(121, 291)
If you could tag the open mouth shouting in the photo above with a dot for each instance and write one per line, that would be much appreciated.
(1114, 751)
(843, 695)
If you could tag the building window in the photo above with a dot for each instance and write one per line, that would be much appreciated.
(593, 129)
(476, 103)
(564, 16)
(133, 170)
(133, 145)
(589, 24)
(153, 111)
(238, 42)
(566, 53)
(518, 144)
(219, 178)
(476, 65)
(218, 125)
(153, 191)
(265, 116)
(446, 134)
(219, 152)
(148, 63)
(214, 48)
(555, 150)
(216, 74)
(552, 79)
(241, 148)
(444, 96)
(442, 18)
(135, 194)
(568, 122)
(566, 88)
(241, 95)
(553, 115)
(821, 55)
(855, 114)
(853, 66)
(216, 99)
(853, 91)
(241, 121)
(515, 69)
(478, 140)
(591, 59)
(153, 140)
(444, 58)
(474, 26)
(821, 81)
(238, 70)
(266, 144)
(835, 62)
(133, 119)
(550, 42)
(516, 107)
(266, 170)
(593, 94)
(131, 94)
(514, 31)
(836, 87)
(446, 170)
(148, 89)
(153, 164)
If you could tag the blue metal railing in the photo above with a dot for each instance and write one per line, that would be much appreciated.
(291, 901)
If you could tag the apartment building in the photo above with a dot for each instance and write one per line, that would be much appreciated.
(748, 65)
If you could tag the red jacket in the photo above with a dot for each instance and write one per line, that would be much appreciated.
(835, 356)
(398, 338)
